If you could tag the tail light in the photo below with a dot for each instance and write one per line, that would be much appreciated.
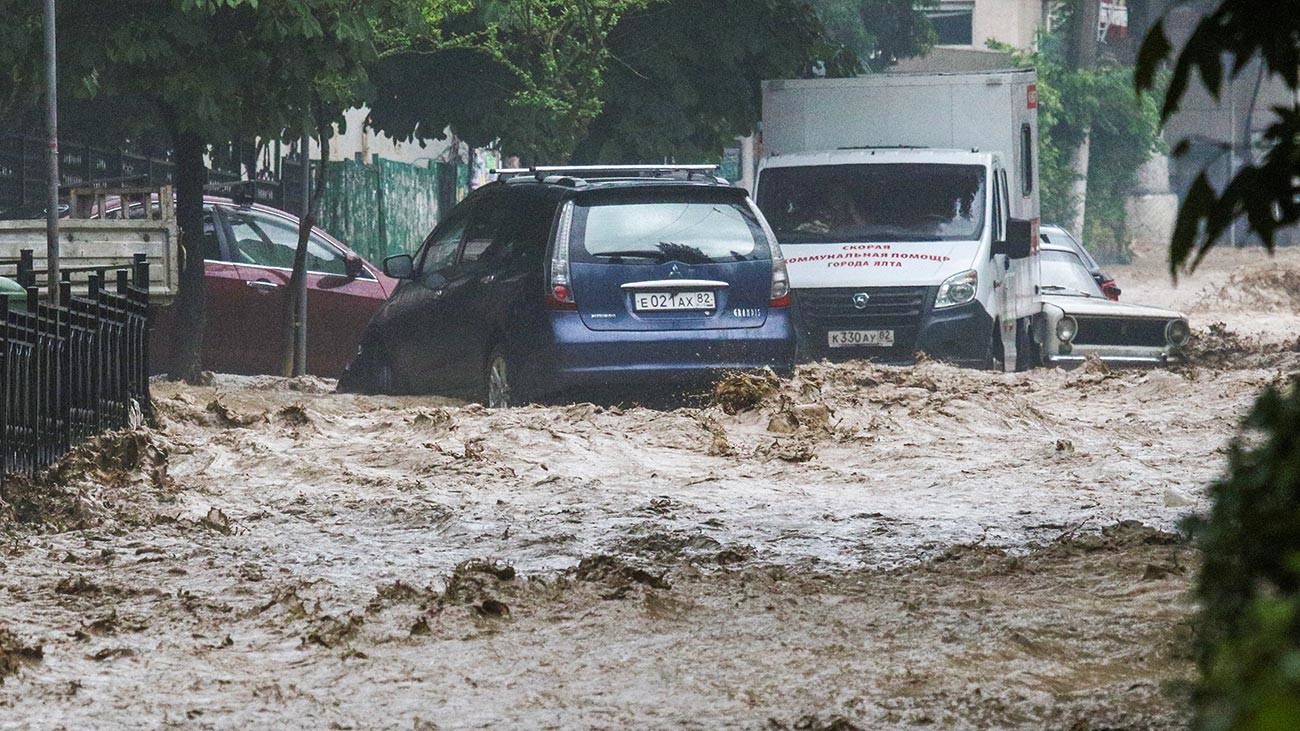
(780, 279)
(559, 290)
(780, 296)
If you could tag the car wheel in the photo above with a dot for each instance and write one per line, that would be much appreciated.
(370, 372)
(993, 360)
(1028, 355)
(498, 385)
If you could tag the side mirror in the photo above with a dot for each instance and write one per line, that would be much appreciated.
(354, 266)
(1020, 239)
(401, 266)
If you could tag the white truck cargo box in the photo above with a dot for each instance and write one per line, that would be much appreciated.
(985, 111)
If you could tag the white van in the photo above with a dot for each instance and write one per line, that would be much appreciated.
(907, 208)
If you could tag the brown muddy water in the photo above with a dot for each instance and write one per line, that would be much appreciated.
(867, 547)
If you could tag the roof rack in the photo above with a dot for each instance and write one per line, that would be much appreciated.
(542, 172)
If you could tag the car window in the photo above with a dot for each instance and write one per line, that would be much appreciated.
(481, 244)
(525, 229)
(998, 234)
(1063, 273)
(1006, 198)
(649, 232)
(439, 250)
(211, 244)
(272, 242)
(1062, 237)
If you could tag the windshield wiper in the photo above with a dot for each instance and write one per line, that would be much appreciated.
(1055, 288)
(635, 254)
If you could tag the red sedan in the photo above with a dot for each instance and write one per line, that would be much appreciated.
(248, 253)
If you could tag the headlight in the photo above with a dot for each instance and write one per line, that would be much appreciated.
(957, 290)
(1066, 329)
(1178, 333)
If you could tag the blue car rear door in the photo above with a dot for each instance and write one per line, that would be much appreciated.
(681, 260)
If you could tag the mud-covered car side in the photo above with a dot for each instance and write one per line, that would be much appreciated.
(1079, 321)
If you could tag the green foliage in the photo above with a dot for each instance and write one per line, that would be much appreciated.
(878, 31)
(1265, 192)
(21, 46)
(1124, 135)
(600, 80)
(529, 73)
(1249, 584)
(684, 81)
(226, 69)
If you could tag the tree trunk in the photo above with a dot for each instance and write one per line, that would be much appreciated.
(1079, 190)
(1084, 22)
(191, 300)
(294, 361)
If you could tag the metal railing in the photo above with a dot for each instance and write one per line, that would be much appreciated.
(68, 373)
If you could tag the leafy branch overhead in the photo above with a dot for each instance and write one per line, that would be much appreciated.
(529, 72)
(1265, 191)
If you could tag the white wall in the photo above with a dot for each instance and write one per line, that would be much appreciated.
(1008, 21)
(359, 139)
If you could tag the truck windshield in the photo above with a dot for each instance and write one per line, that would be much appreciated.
(888, 202)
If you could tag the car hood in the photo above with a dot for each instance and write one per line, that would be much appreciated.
(877, 264)
(1099, 307)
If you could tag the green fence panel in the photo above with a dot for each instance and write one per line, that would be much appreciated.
(410, 206)
(351, 208)
(387, 207)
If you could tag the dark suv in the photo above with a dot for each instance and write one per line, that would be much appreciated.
(553, 279)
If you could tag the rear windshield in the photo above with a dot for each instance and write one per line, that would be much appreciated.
(654, 232)
(1062, 237)
(856, 203)
(1063, 273)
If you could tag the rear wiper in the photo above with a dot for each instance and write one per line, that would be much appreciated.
(638, 254)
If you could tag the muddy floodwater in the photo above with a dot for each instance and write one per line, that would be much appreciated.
(866, 547)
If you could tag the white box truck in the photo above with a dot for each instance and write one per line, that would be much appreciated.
(907, 209)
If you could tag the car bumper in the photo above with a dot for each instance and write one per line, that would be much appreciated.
(958, 334)
(581, 357)
(1116, 356)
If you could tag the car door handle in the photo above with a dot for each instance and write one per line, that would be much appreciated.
(263, 286)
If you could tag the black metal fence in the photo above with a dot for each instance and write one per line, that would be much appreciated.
(24, 171)
(70, 372)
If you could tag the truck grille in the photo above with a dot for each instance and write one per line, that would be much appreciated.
(887, 308)
(1115, 331)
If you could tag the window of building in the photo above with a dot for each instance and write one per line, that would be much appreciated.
(954, 22)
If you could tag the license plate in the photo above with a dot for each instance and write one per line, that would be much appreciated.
(852, 338)
(665, 301)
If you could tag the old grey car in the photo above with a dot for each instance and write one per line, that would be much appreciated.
(1079, 321)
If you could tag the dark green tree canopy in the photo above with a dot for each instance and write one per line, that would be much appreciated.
(622, 79)
(684, 78)
(880, 32)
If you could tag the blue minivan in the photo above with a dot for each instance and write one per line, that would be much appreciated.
(576, 279)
